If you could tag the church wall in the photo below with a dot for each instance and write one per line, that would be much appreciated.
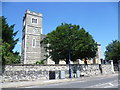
(41, 72)
(32, 53)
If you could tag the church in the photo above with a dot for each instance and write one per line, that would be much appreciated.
(32, 48)
(32, 51)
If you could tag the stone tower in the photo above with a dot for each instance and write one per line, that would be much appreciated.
(31, 37)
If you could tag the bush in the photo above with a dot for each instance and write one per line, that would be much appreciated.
(40, 62)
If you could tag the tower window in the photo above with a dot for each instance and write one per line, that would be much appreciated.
(34, 20)
(33, 42)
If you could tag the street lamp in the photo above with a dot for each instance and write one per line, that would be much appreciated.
(70, 71)
(70, 74)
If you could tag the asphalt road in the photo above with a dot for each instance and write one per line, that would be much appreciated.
(99, 82)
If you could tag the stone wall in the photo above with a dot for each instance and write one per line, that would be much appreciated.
(41, 72)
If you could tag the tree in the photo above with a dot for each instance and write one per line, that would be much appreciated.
(8, 43)
(70, 38)
(8, 34)
(113, 51)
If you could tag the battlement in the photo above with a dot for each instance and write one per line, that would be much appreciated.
(33, 13)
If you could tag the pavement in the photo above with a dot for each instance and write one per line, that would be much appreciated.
(101, 82)
(23, 84)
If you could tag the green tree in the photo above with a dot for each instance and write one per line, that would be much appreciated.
(68, 37)
(8, 34)
(8, 43)
(113, 51)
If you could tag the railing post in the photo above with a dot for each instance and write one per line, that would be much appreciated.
(112, 66)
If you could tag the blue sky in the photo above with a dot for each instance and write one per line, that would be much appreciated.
(100, 19)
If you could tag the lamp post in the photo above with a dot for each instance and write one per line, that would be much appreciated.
(70, 71)
(70, 75)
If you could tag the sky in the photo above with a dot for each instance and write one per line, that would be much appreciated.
(100, 19)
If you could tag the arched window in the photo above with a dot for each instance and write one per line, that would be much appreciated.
(33, 42)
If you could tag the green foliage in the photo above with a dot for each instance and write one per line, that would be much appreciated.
(8, 44)
(113, 51)
(8, 34)
(40, 62)
(70, 37)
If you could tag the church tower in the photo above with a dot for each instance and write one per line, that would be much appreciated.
(31, 37)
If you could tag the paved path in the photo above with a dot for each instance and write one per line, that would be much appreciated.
(101, 82)
(110, 81)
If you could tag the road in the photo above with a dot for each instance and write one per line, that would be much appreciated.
(99, 82)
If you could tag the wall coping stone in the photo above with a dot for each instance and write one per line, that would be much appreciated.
(49, 64)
